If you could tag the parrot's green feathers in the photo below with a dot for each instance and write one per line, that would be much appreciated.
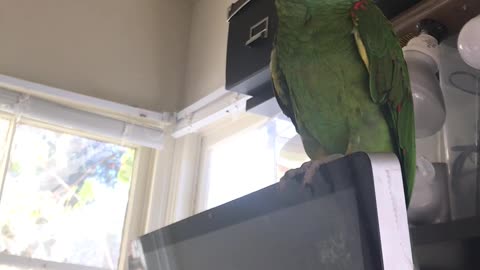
(344, 92)
(281, 90)
(389, 81)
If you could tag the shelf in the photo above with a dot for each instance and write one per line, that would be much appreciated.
(457, 230)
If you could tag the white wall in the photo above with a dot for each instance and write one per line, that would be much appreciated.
(207, 50)
(127, 51)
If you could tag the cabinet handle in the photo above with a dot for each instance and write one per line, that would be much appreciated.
(258, 31)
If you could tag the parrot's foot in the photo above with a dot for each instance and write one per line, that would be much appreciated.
(308, 170)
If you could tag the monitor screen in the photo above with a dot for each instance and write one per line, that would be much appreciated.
(334, 224)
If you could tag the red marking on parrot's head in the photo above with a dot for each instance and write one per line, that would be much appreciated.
(362, 4)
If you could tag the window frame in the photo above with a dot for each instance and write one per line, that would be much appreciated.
(213, 135)
(9, 142)
(135, 213)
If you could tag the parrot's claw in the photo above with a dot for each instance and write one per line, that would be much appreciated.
(297, 173)
(306, 173)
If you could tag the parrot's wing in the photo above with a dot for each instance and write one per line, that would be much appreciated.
(389, 81)
(281, 90)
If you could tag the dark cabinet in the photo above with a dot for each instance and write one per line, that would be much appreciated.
(252, 25)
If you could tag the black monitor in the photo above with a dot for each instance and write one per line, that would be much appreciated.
(353, 216)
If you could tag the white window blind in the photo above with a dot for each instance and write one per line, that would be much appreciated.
(56, 114)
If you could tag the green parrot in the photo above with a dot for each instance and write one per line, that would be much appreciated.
(339, 73)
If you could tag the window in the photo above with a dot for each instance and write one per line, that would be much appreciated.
(64, 196)
(246, 156)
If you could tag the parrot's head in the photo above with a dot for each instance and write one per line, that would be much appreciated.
(298, 11)
(315, 3)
